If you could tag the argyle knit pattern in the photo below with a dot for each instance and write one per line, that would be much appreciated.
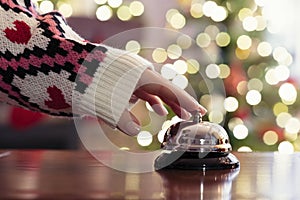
(47, 67)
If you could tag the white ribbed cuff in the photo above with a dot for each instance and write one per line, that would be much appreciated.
(113, 85)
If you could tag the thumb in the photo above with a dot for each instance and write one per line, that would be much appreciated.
(129, 124)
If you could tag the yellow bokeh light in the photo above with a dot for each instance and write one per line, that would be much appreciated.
(282, 119)
(133, 46)
(170, 13)
(159, 55)
(184, 41)
(244, 12)
(174, 51)
(123, 13)
(244, 42)
(261, 23)
(65, 9)
(231, 104)
(270, 137)
(280, 108)
(224, 71)
(264, 49)
(104, 13)
(177, 21)
(242, 87)
(196, 10)
(233, 122)
(223, 39)
(216, 116)
(203, 40)
(136, 8)
(193, 66)
(242, 54)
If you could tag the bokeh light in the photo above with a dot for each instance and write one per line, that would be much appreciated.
(250, 23)
(240, 132)
(196, 10)
(231, 104)
(136, 8)
(124, 13)
(253, 97)
(133, 46)
(65, 9)
(280, 108)
(193, 66)
(46, 7)
(114, 3)
(184, 41)
(285, 147)
(255, 84)
(243, 13)
(288, 93)
(100, 2)
(209, 8)
(282, 119)
(270, 137)
(144, 138)
(245, 149)
(264, 49)
(212, 71)
(203, 40)
(244, 42)
(104, 13)
(177, 21)
(216, 116)
(159, 55)
(174, 51)
(292, 126)
(224, 71)
(233, 122)
(180, 66)
(223, 39)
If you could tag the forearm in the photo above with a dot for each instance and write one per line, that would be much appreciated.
(52, 70)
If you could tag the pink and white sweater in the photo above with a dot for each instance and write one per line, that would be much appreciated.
(45, 66)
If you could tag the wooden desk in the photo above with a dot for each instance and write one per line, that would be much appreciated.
(77, 175)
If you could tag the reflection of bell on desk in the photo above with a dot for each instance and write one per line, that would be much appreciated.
(196, 145)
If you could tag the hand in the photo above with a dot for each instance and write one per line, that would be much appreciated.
(153, 88)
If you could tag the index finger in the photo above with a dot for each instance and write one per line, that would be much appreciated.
(153, 83)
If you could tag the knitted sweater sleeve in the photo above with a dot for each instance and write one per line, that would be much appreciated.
(45, 66)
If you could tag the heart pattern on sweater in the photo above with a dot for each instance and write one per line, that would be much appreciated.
(57, 101)
(20, 34)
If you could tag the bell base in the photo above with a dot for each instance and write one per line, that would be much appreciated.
(196, 161)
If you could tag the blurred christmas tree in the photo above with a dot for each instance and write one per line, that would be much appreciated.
(259, 106)
(261, 95)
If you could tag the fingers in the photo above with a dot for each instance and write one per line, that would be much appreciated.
(154, 101)
(129, 124)
(152, 83)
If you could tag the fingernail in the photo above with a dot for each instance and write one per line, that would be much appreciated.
(185, 115)
(132, 128)
(161, 110)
